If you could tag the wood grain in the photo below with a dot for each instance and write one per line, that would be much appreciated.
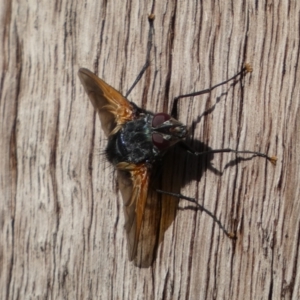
(61, 215)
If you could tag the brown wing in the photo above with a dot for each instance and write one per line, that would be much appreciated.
(114, 110)
(133, 183)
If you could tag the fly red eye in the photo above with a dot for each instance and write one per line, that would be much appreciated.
(159, 141)
(159, 119)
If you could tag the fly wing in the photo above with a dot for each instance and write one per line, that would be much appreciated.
(114, 110)
(133, 183)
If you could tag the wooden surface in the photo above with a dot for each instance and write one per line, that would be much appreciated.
(61, 216)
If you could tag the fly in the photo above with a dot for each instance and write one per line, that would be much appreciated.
(137, 141)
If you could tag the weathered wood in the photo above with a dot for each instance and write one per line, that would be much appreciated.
(61, 217)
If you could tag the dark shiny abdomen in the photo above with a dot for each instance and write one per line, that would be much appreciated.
(132, 143)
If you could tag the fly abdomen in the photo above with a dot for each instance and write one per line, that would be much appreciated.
(132, 143)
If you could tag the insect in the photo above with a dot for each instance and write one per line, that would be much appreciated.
(137, 141)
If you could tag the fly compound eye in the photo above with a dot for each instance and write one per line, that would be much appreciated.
(159, 141)
(159, 119)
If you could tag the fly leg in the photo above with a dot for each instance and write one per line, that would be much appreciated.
(246, 69)
(202, 208)
(189, 149)
(147, 63)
